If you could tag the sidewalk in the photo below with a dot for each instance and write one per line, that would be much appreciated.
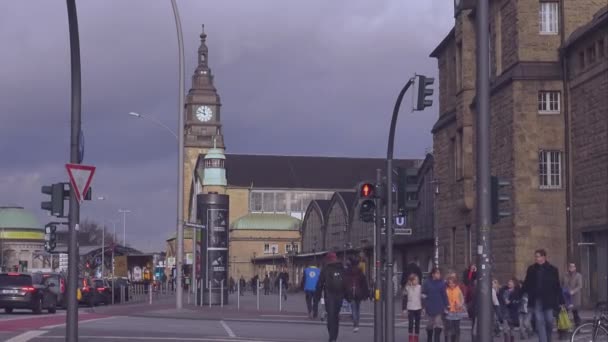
(293, 310)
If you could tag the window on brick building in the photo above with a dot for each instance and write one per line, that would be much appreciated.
(453, 247)
(550, 169)
(452, 160)
(549, 102)
(549, 17)
(601, 48)
(590, 54)
(581, 60)
(468, 255)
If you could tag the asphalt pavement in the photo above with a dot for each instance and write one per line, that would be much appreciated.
(160, 321)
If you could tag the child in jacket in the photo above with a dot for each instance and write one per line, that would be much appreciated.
(456, 311)
(413, 292)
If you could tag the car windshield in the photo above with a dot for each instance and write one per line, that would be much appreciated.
(15, 280)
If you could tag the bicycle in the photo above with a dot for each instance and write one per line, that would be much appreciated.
(596, 331)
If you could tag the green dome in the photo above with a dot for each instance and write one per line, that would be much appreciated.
(17, 217)
(267, 222)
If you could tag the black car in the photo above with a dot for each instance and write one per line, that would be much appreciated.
(26, 291)
(104, 292)
(59, 286)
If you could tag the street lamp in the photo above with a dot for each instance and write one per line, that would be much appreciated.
(154, 120)
(103, 244)
(124, 213)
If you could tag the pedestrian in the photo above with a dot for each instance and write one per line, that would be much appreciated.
(542, 284)
(456, 310)
(266, 283)
(413, 297)
(333, 287)
(573, 284)
(525, 318)
(510, 298)
(242, 286)
(309, 285)
(411, 268)
(356, 291)
(284, 282)
(471, 304)
(469, 275)
(231, 285)
(435, 302)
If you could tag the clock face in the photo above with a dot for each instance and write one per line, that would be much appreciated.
(204, 113)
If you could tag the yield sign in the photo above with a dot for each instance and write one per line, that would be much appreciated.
(80, 178)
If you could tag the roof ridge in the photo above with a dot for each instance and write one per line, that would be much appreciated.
(313, 156)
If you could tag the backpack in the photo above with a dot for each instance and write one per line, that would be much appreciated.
(335, 280)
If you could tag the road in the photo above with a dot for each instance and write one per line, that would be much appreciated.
(161, 322)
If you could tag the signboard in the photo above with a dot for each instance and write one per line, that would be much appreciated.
(63, 262)
(399, 226)
(212, 212)
(171, 262)
(120, 266)
(80, 178)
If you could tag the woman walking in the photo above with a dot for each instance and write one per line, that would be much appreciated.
(435, 305)
(356, 291)
(510, 298)
(413, 294)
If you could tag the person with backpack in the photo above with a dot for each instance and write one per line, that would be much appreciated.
(333, 287)
(356, 291)
(309, 285)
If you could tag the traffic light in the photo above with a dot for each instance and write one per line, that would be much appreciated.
(50, 237)
(408, 189)
(423, 92)
(496, 185)
(367, 206)
(55, 205)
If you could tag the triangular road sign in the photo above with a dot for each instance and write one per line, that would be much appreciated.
(80, 178)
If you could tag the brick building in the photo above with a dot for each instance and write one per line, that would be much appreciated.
(527, 135)
(586, 53)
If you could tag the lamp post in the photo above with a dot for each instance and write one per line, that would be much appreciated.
(180, 159)
(103, 244)
(154, 120)
(124, 213)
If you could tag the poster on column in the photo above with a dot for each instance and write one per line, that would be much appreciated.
(218, 259)
(218, 228)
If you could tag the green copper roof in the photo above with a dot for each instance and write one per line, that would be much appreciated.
(17, 217)
(215, 153)
(267, 222)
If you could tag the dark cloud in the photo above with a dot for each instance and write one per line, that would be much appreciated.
(307, 77)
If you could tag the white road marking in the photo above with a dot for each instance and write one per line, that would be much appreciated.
(79, 322)
(26, 336)
(294, 316)
(150, 338)
(227, 328)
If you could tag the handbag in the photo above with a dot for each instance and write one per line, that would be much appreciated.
(563, 321)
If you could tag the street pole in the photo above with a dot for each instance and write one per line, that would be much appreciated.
(180, 161)
(484, 214)
(377, 262)
(113, 248)
(103, 251)
(74, 206)
(124, 225)
(390, 297)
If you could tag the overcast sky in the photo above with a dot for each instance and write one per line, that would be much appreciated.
(305, 77)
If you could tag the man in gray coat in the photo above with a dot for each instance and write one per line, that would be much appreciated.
(573, 283)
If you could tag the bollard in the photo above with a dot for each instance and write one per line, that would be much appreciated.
(238, 295)
(222, 293)
(209, 293)
(120, 293)
(150, 293)
(202, 291)
(280, 295)
(258, 293)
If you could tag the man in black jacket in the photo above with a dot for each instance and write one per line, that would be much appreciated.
(544, 294)
(333, 286)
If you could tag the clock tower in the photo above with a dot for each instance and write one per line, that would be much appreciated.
(202, 125)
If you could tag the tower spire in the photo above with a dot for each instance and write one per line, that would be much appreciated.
(203, 52)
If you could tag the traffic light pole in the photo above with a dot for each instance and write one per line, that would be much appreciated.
(378, 264)
(484, 269)
(74, 215)
(390, 298)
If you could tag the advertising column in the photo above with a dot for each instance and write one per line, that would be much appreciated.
(212, 212)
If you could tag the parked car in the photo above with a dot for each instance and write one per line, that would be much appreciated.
(58, 287)
(26, 291)
(104, 291)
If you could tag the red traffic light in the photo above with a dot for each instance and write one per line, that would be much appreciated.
(367, 190)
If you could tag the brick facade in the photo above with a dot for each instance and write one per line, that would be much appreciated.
(524, 62)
